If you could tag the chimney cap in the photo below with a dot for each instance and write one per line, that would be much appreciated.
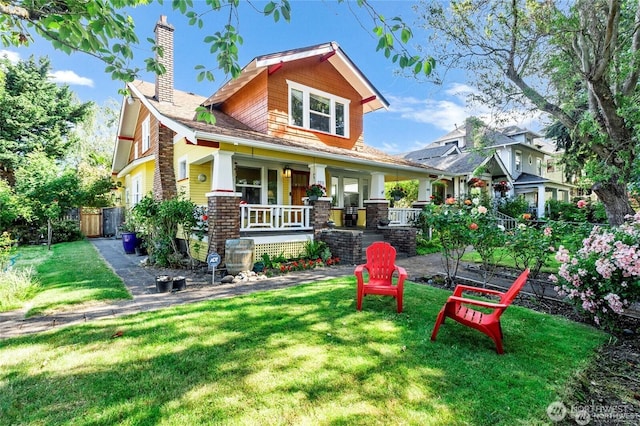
(163, 22)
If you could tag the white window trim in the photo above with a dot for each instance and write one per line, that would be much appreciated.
(182, 160)
(146, 133)
(518, 154)
(136, 196)
(306, 91)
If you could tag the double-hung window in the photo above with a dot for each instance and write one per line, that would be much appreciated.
(317, 110)
(146, 134)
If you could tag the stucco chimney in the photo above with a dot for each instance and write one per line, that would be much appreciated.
(164, 39)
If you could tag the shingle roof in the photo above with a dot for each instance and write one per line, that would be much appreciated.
(527, 178)
(182, 111)
(429, 152)
(458, 164)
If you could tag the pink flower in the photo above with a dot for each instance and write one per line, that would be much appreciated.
(581, 204)
(548, 231)
(482, 210)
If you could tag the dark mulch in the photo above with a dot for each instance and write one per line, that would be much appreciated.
(607, 392)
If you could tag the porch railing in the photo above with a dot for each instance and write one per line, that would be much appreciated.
(403, 217)
(507, 221)
(259, 217)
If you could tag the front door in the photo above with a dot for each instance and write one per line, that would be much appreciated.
(299, 184)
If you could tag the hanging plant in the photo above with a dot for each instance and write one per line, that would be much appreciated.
(397, 193)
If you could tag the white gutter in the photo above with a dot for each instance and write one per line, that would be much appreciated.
(135, 163)
(324, 155)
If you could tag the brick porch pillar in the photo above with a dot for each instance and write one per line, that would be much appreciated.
(224, 220)
(376, 210)
(320, 214)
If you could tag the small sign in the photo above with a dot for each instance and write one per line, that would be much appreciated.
(213, 259)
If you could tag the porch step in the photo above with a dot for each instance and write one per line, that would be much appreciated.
(369, 238)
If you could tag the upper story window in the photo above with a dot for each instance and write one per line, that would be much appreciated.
(539, 166)
(518, 161)
(317, 110)
(146, 134)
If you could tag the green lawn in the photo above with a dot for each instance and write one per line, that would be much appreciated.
(301, 355)
(70, 274)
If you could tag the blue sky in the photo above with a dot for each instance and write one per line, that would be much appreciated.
(419, 112)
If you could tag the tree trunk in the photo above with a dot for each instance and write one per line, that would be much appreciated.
(49, 234)
(615, 199)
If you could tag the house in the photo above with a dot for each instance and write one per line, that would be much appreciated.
(476, 153)
(289, 120)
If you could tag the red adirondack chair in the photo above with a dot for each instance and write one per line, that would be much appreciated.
(381, 259)
(488, 323)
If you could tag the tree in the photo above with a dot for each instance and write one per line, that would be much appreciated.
(36, 114)
(103, 29)
(579, 64)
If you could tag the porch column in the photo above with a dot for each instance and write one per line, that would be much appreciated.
(222, 173)
(541, 200)
(320, 214)
(318, 174)
(376, 210)
(223, 204)
(377, 186)
(424, 191)
(224, 219)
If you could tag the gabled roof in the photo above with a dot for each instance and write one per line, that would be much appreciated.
(180, 117)
(459, 164)
(516, 130)
(457, 133)
(527, 178)
(432, 152)
(330, 52)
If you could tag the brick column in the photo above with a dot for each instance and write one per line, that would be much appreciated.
(164, 178)
(224, 220)
(320, 214)
(376, 210)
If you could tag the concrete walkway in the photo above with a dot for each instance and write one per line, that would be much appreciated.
(141, 284)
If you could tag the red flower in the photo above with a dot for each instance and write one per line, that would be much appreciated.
(473, 226)
(205, 217)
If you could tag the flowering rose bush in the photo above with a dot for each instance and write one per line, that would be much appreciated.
(603, 277)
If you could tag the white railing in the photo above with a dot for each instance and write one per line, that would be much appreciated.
(259, 217)
(507, 221)
(403, 217)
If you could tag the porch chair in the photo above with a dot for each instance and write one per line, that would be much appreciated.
(381, 258)
(488, 323)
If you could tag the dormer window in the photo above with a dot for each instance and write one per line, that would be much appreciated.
(317, 110)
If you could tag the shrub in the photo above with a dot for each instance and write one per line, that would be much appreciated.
(514, 207)
(603, 277)
(16, 287)
(64, 231)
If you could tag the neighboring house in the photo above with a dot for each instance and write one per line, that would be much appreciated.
(289, 120)
(513, 155)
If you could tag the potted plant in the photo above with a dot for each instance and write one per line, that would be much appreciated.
(397, 193)
(128, 233)
(315, 191)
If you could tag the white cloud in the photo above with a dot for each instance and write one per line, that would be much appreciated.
(70, 77)
(13, 57)
(452, 110)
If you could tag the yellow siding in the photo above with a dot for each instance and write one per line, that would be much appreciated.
(199, 189)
